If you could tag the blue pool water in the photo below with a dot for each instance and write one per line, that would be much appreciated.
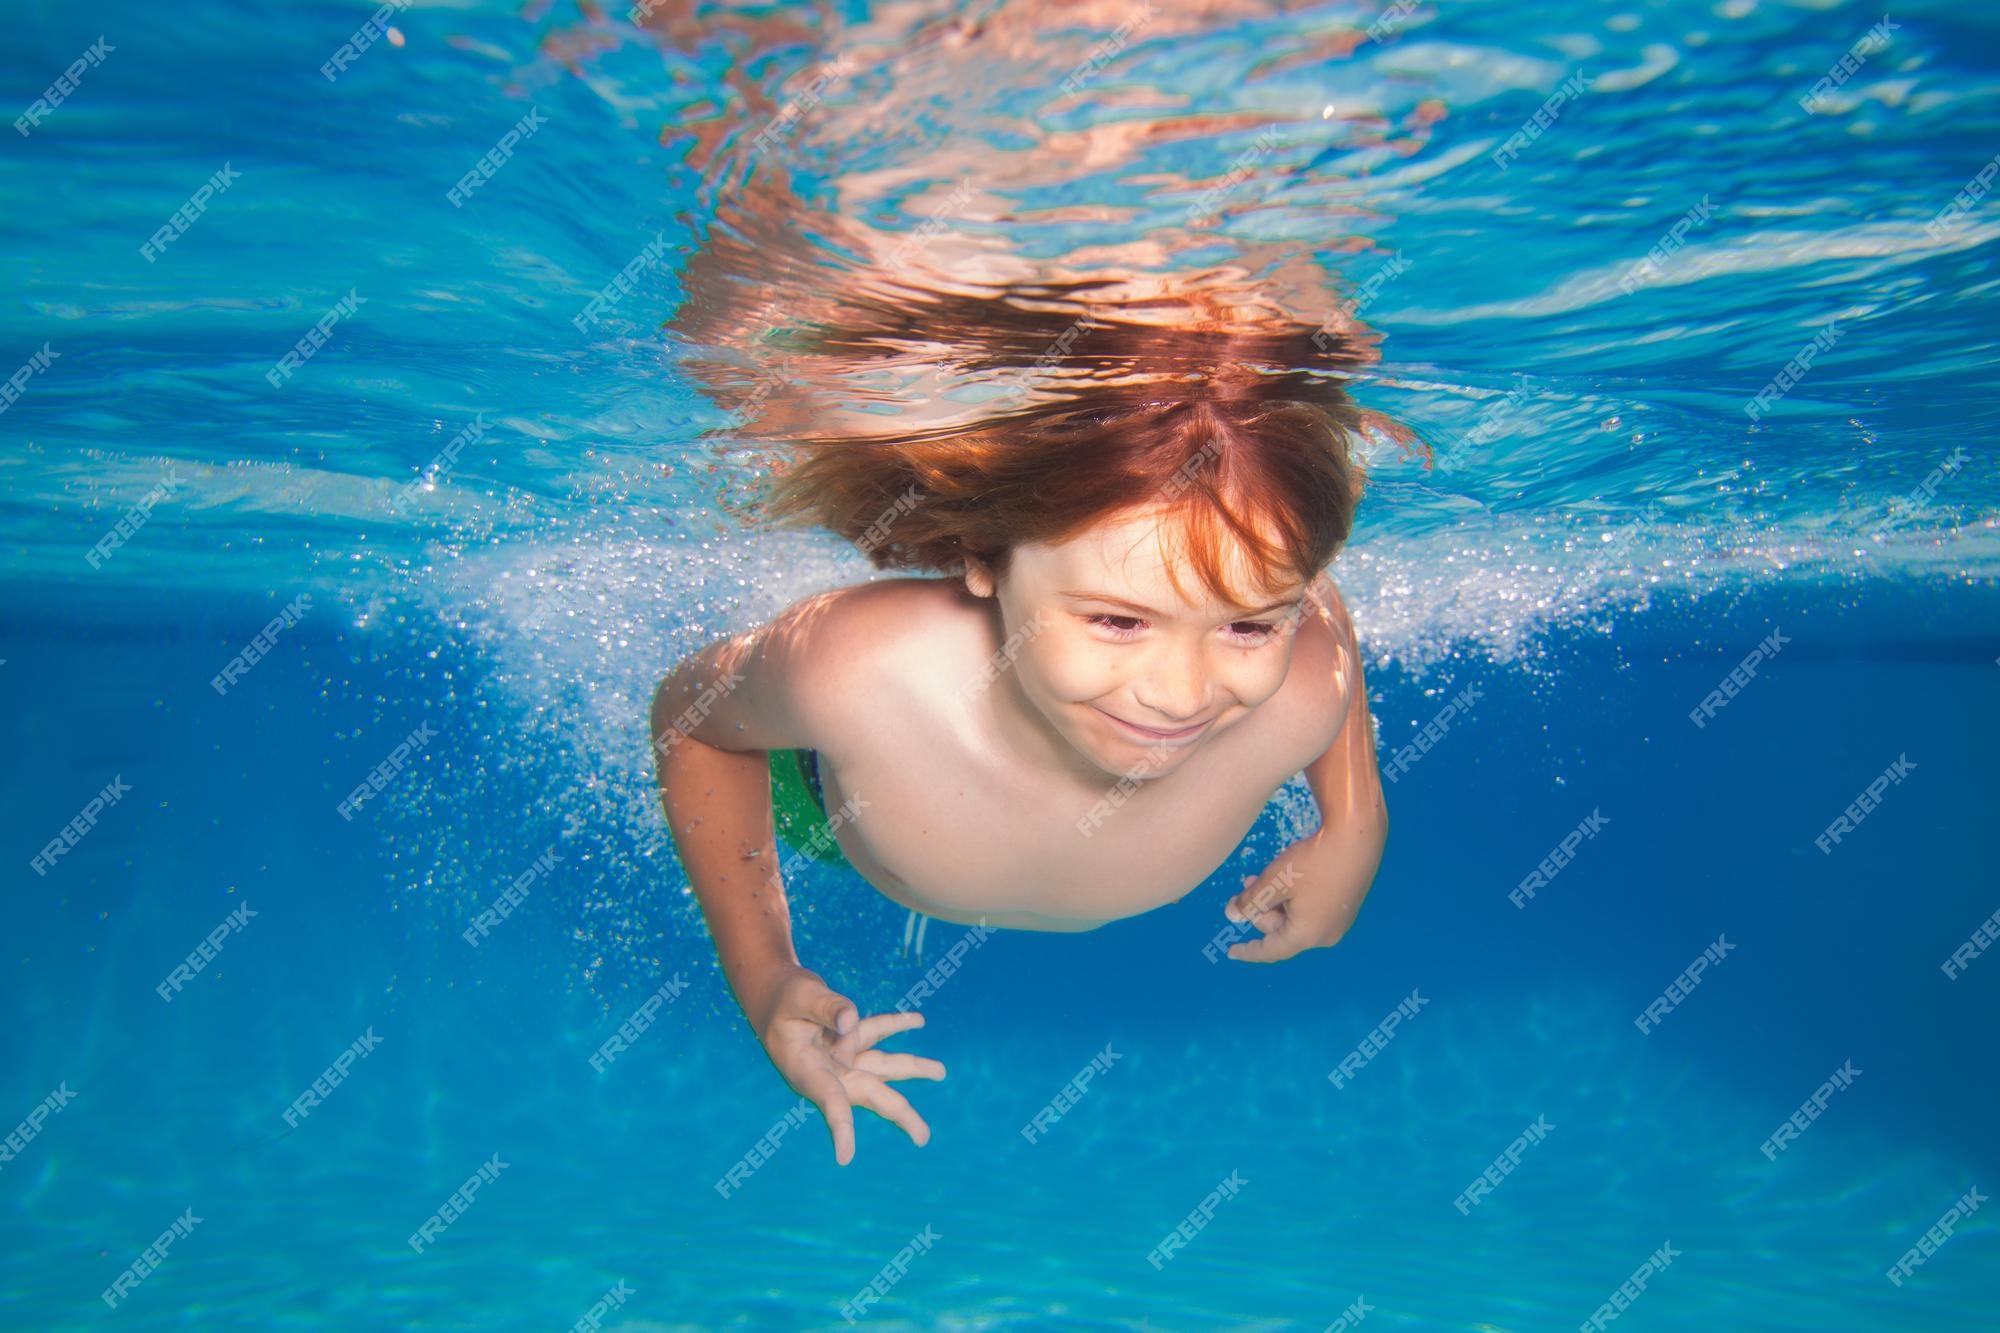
(1602, 534)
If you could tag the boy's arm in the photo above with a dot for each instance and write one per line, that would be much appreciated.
(715, 718)
(1309, 896)
(1347, 780)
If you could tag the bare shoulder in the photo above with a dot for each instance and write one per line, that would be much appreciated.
(883, 602)
(877, 628)
(1312, 705)
(868, 651)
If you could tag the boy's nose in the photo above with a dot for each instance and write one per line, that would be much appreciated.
(1175, 698)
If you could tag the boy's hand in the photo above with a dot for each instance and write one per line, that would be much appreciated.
(824, 1049)
(1307, 898)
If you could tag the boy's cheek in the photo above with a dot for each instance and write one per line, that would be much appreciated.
(1250, 695)
(1066, 674)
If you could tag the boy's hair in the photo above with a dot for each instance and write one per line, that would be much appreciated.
(1274, 479)
(1241, 437)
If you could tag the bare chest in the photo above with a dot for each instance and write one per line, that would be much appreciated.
(947, 831)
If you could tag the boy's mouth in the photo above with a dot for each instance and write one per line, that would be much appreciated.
(1154, 734)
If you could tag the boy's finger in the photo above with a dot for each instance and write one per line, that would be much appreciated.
(877, 1026)
(823, 1087)
(895, 1064)
(892, 1106)
(835, 1012)
(1254, 901)
(1274, 948)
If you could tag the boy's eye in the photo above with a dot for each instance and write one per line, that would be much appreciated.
(1257, 631)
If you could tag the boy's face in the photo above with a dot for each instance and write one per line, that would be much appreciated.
(1126, 670)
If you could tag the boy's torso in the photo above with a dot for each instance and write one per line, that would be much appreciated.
(950, 825)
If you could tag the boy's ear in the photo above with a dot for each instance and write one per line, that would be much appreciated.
(978, 576)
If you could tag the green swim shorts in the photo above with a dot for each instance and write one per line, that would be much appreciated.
(798, 807)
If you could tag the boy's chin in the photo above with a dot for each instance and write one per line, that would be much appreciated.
(1139, 762)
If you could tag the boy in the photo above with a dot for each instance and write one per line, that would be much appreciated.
(1064, 737)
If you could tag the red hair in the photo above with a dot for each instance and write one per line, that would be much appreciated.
(1237, 456)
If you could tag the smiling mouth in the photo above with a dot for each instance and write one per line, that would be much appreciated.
(1155, 734)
